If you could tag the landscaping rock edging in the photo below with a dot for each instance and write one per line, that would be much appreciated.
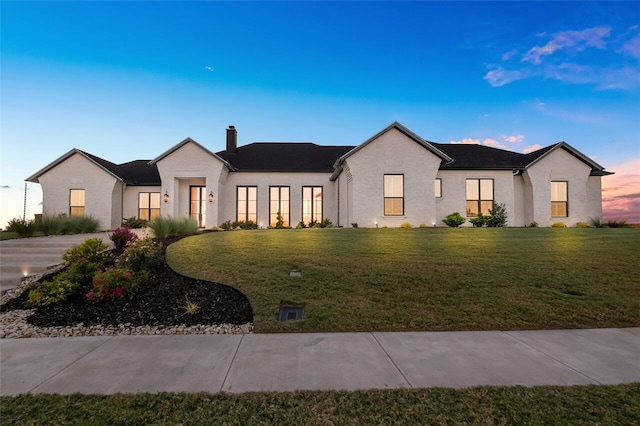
(13, 323)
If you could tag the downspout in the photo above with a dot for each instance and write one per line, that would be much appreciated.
(122, 186)
(338, 201)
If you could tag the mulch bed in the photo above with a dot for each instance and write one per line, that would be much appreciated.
(160, 301)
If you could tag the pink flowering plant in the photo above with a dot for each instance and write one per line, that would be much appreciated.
(140, 254)
(115, 283)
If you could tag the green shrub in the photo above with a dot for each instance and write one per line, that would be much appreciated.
(582, 225)
(134, 223)
(405, 225)
(53, 225)
(533, 224)
(423, 225)
(48, 292)
(616, 224)
(454, 220)
(497, 216)
(479, 221)
(161, 227)
(249, 224)
(326, 223)
(23, 227)
(80, 225)
(596, 222)
(558, 225)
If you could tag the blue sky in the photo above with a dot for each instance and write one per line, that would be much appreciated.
(128, 80)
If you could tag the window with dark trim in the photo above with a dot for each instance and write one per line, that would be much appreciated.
(393, 195)
(278, 204)
(77, 200)
(479, 196)
(148, 205)
(311, 204)
(438, 188)
(247, 204)
(560, 199)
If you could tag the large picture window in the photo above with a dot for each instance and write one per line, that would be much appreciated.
(278, 204)
(559, 199)
(311, 204)
(76, 202)
(479, 196)
(393, 195)
(247, 207)
(148, 205)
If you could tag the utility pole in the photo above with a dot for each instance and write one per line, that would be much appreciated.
(24, 210)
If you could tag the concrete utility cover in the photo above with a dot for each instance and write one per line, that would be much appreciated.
(291, 313)
(295, 273)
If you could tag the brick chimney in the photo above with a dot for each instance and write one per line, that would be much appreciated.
(232, 140)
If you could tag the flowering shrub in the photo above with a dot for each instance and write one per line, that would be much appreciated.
(139, 255)
(115, 282)
(121, 237)
(92, 249)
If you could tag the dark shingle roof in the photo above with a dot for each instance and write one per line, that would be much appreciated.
(467, 156)
(138, 172)
(284, 157)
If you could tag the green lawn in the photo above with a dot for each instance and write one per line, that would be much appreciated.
(426, 279)
(485, 405)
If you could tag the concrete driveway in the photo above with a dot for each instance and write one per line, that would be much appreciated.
(23, 257)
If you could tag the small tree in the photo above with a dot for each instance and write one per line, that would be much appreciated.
(454, 220)
(497, 216)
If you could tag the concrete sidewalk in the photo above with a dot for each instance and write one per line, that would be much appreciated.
(28, 256)
(348, 361)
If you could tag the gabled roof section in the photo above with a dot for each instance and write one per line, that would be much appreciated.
(536, 156)
(395, 125)
(183, 143)
(337, 166)
(284, 157)
(138, 172)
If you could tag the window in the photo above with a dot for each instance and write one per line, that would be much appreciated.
(479, 196)
(247, 208)
(311, 204)
(278, 204)
(76, 202)
(393, 195)
(148, 205)
(559, 199)
(438, 188)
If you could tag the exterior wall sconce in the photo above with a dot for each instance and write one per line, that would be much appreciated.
(166, 197)
(211, 197)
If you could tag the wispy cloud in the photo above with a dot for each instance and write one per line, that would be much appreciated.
(621, 194)
(531, 148)
(494, 143)
(209, 68)
(5, 187)
(571, 41)
(589, 56)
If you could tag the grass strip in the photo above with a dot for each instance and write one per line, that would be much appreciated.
(486, 405)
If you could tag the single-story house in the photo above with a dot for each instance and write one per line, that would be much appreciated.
(393, 177)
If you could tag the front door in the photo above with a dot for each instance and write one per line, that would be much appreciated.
(197, 204)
